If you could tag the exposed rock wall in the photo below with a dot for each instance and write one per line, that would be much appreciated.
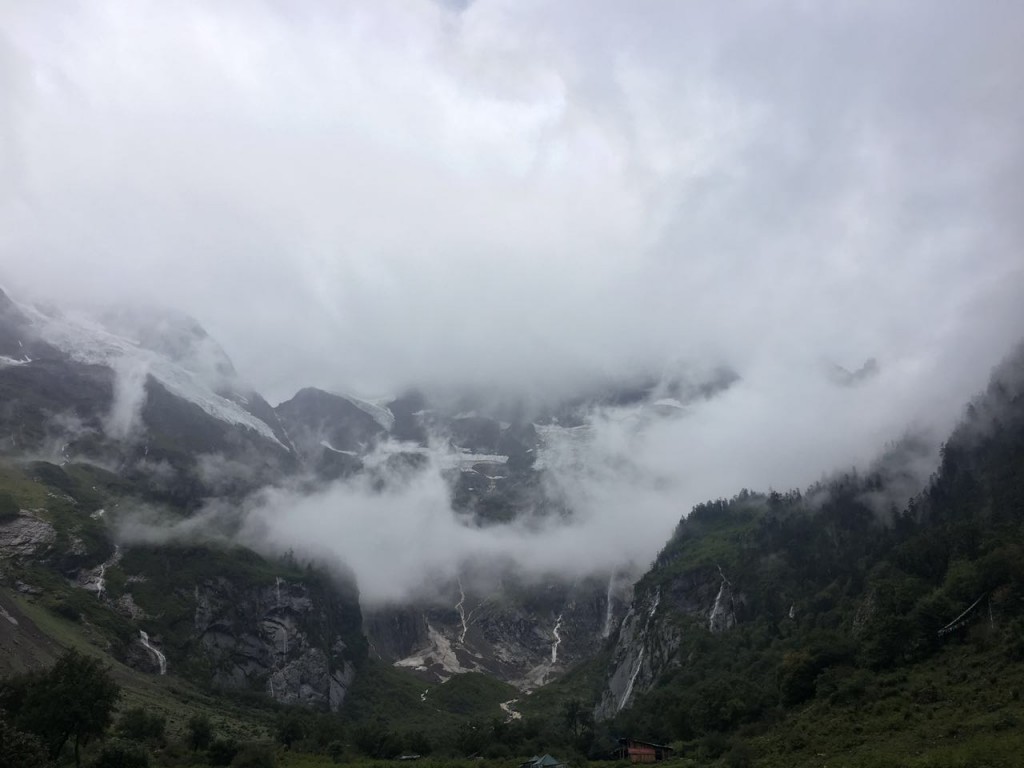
(651, 632)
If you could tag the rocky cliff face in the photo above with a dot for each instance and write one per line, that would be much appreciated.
(25, 536)
(330, 433)
(239, 622)
(525, 634)
(274, 637)
(698, 600)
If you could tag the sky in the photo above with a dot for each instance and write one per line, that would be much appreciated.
(525, 196)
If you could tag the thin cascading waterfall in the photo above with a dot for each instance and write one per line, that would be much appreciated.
(632, 679)
(608, 609)
(101, 579)
(161, 660)
(558, 639)
(460, 607)
(640, 656)
(716, 609)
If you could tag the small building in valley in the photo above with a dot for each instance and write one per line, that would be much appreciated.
(544, 761)
(637, 751)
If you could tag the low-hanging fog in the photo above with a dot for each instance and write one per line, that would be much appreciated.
(521, 198)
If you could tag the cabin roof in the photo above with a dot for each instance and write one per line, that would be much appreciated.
(630, 739)
(545, 761)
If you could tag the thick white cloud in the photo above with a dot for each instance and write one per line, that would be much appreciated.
(523, 195)
(373, 195)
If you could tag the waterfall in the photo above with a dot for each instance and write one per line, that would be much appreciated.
(608, 608)
(461, 608)
(716, 609)
(558, 639)
(640, 656)
(160, 658)
(101, 578)
(632, 679)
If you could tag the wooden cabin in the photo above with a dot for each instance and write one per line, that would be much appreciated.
(637, 751)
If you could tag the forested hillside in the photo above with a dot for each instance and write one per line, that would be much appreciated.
(844, 622)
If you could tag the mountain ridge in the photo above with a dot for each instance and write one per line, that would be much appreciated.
(758, 604)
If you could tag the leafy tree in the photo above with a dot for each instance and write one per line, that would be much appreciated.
(21, 749)
(796, 677)
(139, 725)
(73, 700)
(374, 740)
(336, 751)
(417, 742)
(222, 751)
(471, 738)
(200, 732)
(572, 713)
(290, 728)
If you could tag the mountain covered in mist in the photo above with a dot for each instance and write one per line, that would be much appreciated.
(763, 605)
(144, 412)
(809, 605)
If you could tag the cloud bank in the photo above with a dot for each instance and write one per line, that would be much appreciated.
(367, 197)
(522, 197)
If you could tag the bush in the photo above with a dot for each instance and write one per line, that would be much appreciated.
(712, 746)
(290, 729)
(118, 754)
(139, 725)
(739, 756)
(200, 732)
(66, 610)
(336, 751)
(24, 750)
(222, 751)
(255, 756)
(9, 509)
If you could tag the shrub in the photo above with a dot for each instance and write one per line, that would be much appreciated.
(222, 751)
(139, 725)
(9, 509)
(24, 750)
(255, 756)
(119, 754)
(200, 732)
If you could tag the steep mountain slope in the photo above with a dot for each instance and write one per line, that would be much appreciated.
(796, 600)
(329, 432)
(766, 605)
(146, 393)
(145, 406)
(221, 617)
